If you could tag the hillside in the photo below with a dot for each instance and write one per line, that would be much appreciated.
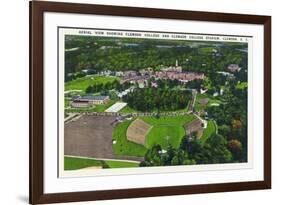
(119, 54)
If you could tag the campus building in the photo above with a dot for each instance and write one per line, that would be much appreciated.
(89, 101)
(181, 76)
(95, 100)
(79, 103)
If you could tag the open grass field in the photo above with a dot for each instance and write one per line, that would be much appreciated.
(121, 164)
(169, 120)
(122, 145)
(75, 163)
(211, 128)
(165, 135)
(128, 109)
(166, 130)
(83, 83)
(71, 163)
(66, 102)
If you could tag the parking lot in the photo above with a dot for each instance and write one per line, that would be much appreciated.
(91, 136)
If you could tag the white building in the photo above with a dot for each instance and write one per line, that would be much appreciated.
(234, 68)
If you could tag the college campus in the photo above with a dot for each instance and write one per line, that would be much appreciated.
(150, 102)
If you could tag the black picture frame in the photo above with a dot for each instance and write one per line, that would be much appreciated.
(37, 9)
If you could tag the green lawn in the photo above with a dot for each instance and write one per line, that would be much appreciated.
(66, 102)
(128, 109)
(71, 163)
(169, 120)
(75, 163)
(121, 164)
(211, 128)
(123, 146)
(83, 83)
(165, 135)
(166, 130)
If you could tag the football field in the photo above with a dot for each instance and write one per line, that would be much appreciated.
(134, 137)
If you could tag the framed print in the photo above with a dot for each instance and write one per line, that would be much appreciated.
(135, 102)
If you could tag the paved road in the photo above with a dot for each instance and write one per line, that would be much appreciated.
(193, 100)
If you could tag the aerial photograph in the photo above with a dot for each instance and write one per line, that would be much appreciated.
(143, 102)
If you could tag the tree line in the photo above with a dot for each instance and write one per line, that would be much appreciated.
(231, 118)
(190, 152)
(99, 87)
(118, 54)
(153, 99)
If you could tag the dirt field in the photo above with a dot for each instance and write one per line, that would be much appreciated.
(138, 131)
(91, 136)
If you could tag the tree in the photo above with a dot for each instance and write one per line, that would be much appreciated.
(235, 146)
(107, 53)
(175, 161)
(189, 162)
(224, 130)
(217, 146)
(236, 124)
(151, 99)
(89, 89)
(104, 165)
(195, 84)
(152, 156)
